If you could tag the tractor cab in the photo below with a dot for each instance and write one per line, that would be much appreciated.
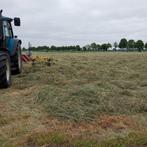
(7, 38)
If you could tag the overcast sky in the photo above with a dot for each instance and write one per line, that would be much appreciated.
(71, 22)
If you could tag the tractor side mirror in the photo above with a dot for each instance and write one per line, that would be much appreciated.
(17, 21)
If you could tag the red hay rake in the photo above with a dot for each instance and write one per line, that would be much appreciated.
(26, 58)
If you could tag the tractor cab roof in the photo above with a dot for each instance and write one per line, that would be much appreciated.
(6, 19)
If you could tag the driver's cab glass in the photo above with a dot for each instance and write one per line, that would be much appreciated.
(7, 29)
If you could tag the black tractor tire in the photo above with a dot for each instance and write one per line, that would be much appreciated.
(17, 61)
(5, 70)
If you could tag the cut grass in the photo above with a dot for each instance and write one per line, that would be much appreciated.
(80, 87)
(59, 139)
(40, 139)
(90, 99)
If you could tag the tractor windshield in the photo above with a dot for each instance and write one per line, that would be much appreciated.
(7, 29)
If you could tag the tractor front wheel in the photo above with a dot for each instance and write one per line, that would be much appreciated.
(5, 70)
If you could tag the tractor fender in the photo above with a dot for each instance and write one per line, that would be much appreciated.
(17, 42)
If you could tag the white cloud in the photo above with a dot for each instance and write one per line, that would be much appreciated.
(64, 22)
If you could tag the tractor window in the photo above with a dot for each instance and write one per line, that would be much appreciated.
(7, 29)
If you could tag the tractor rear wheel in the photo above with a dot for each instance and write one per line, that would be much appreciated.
(5, 70)
(17, 62)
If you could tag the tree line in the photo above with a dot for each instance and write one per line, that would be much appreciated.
(123, 45)
(131, 45)
(55, 48)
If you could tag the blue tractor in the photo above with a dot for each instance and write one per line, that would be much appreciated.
(10, 51)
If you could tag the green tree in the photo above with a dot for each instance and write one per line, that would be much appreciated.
(78, 48)
(24, 49)
(84, 48)
(98, 47)
(131, 44)
(104, 47)
(93, 46)
(109, 45)
(53, 47)
(123, 43)
(139, 45)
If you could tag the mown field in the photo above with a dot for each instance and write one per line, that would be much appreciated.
(81, 100)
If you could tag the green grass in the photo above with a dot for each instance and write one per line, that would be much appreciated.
(58, 139)
(94, 99)
(132, 139)
(46, 138)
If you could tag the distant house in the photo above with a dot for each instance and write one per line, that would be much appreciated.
(87, 48)
(110, 49)
(121, 49)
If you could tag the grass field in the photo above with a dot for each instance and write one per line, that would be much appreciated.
(82, 100)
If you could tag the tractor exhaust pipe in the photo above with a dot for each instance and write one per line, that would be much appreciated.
(1, 11)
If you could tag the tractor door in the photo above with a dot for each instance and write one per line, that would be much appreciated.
(8, 36)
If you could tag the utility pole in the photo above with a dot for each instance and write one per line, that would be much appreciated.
(29, 49)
